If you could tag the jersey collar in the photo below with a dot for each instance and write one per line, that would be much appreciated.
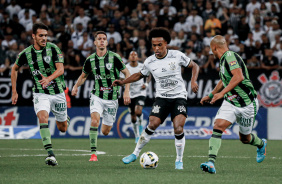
(102, 57)
(164, 56)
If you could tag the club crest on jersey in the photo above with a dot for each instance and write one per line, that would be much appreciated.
(172, 65)
(109, 66)
(232, 63)
(47, 59)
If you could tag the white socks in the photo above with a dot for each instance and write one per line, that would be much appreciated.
(143, 140)
(179, 146)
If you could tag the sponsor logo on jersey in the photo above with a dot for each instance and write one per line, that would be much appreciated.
(163, 70)
(108, 76)
(105, 88)
(231, 97)
(92, 59)
(168, 83)
(109, 66)
(47, 59)
(156, 109)
(48, 85)
(169, 95)
(171, 56)
(232, 63)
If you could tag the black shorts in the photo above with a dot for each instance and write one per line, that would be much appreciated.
(163, 106)
(140, 100)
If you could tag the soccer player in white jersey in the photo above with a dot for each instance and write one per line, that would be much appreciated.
(137, 94)
(171, 95)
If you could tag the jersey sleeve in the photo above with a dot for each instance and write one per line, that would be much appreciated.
(118, 62)
(21, 59)
(87, 66)
(145, 71)
(232, 61)
(57, 56)
(184, 60)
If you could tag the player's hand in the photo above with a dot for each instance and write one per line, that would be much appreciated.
(126, 98)
(44, 81)
(194, 87)
(205, 99)
(14, 98)
(117, 83)
(216, 97)
(74, 91)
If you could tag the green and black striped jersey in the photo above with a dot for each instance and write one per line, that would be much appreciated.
(105, 70)
(43, 62)
(244, 93)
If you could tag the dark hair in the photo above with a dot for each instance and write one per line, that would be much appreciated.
(99, 32)
(160, 32)
(38, 26)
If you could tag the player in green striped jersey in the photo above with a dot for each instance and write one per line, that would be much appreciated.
(105, 67)
(45, 61)
(240, 103)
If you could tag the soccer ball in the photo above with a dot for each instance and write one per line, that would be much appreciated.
(149, 160)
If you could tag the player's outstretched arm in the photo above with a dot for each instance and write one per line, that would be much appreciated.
(81, 79)
(133, 78)
(126, 96)
(235, 80)
(195, 74)
(58, 72)
(217, 89)
(14, 76)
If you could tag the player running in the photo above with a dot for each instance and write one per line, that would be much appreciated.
(137, 94)
(46, 64)
(171, 95)
(105, 67)
(240, 103)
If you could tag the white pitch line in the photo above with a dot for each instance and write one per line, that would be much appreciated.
(26, 149)
(104, 153)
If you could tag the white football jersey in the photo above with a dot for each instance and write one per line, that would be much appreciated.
(167, 74)
(135, 87)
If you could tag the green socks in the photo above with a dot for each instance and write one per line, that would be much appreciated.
(93, 136)
(256, 141)
(214, 144)
(46, 138)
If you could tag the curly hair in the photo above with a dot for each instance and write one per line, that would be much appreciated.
(160, 32)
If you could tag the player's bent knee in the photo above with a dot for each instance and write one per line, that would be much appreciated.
(94, 123)
(178, 130)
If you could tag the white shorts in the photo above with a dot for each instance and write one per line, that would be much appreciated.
(244, 116)
(106, 108)
(57, 103)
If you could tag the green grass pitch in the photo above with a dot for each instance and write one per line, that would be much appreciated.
(22, 161)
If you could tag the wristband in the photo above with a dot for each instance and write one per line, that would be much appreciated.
(211, 95)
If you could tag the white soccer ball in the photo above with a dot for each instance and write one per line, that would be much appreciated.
(149, 160)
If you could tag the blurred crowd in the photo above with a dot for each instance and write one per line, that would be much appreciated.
(251, 28)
